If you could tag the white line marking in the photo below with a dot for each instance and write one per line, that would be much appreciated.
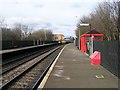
(42, 84)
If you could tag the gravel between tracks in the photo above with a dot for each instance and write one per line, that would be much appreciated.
(12, 74)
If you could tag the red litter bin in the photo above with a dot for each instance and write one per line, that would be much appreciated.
(95, 58)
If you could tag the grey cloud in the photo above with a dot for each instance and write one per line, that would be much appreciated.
(75, 5)
(42, 25)
(38, 5)
(66, 25)
(16, 2)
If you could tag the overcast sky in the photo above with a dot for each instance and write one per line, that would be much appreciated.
(59, 15)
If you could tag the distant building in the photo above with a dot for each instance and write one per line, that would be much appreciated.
(58, 37)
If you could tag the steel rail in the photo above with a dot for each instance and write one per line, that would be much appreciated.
(35, 86)
(25, 59)
(30, 67)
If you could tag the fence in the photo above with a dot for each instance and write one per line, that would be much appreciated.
(23, 43)
(109, 55)
(15, 44)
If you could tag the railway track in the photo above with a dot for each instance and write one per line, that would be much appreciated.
(29, 74)
(13, 63)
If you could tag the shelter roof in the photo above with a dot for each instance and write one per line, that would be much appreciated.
(93, 32)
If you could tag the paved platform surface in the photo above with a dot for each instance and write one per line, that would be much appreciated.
(74, 70)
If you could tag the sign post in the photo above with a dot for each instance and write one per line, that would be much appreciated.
(83, 24)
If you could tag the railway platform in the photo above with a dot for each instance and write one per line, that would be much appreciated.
(22, 48)
(73, 70)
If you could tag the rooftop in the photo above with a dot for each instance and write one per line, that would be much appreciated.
(93, 32)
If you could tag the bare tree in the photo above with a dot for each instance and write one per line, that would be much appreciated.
(1, 25)
(21, 31)
(108, 12)
(17, 31)
(42, 35)
(5, 32)
(2, 22)
(104, 19)
(49, 35)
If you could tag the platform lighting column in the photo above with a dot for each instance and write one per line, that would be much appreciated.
(79, 39)
(46, 34)
(90, 43)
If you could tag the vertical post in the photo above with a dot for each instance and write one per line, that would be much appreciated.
(0, 51)
(91, 45)
(45, 36)
(119, 39)
(90, 27)
(79, 39)
(34, 42)
(37, 42)
(118, 24)
(40, 41)
(84, 24)
(90, 42)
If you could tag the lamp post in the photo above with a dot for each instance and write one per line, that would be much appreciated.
(46, 35)
(90, 43)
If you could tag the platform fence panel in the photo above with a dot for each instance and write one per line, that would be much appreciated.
(109, 55)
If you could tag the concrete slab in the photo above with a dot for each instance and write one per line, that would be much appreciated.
(73, 70)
